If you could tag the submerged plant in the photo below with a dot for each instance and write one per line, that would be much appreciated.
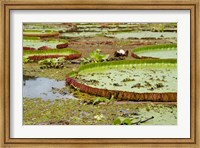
(52, 63)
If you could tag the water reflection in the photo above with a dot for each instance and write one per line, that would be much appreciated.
(44, 88)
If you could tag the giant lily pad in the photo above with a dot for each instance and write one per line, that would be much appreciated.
(166, 51)
(154, 80)
(36, 55)
(40, 33)
(34, 43)
(143, 34)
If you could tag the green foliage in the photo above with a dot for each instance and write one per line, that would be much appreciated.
(95, 57)
(162, 28)
(27, 60)
(31, 30)
(38, 31)
(30, 38)
(66, 51)
(157, 27)
(52, 63)
(155, 47)
(100, 99)
(85, 60)
(127, 63)
(38, 111)
(122, 121)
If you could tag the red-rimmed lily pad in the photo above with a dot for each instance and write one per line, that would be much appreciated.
(37, 55)
(35, 43)
(137, 80)
(166, 51)
(39, 33)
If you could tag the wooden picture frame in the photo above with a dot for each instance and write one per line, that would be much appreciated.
(7, 5)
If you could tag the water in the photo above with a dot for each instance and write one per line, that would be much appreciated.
(44, 88)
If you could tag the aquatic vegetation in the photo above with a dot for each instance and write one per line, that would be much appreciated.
(113, 79)
(37, 55)
(100, 99)
(40, 33)
(70, 111)
(95, 86)
(30, 38)
(130, 121)
(122, 121)
(36, 43)
(41, 27)
(95, 57)
(99, 117)
(27, 60)
(52, 63)
(165, 51)
(142, 35)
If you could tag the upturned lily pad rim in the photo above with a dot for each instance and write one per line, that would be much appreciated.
(58, 41)
(123, 95)
(160, 47)
(65, 51)
(123, 63)
(39, 31)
